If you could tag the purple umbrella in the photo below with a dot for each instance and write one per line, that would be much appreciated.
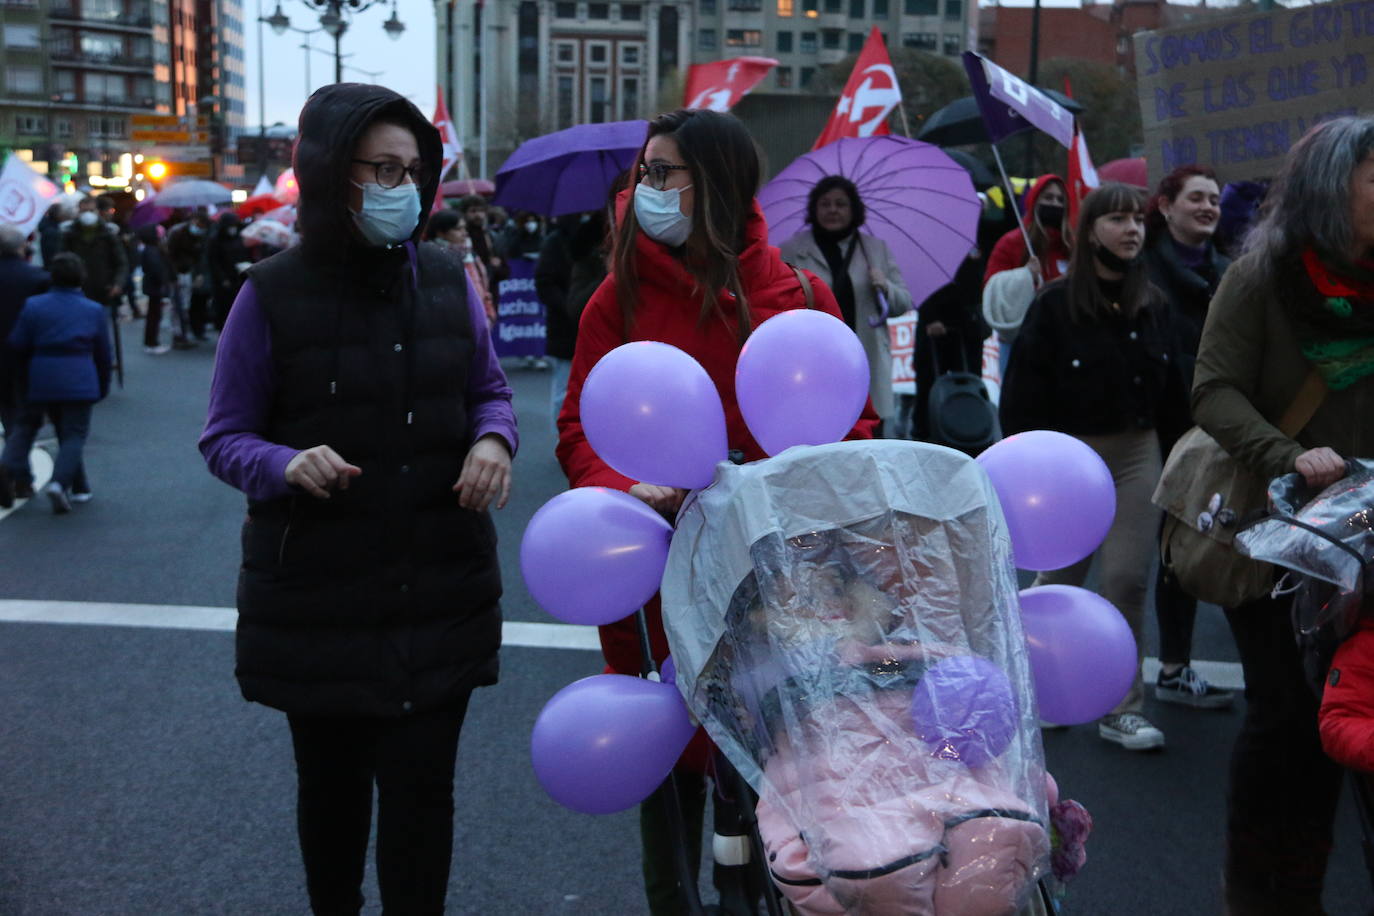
(919, 201)
(569, 171)
(147, 213)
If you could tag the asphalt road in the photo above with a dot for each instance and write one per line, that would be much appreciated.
(135, 780)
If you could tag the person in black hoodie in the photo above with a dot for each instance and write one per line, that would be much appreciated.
(224, 252)
(572, 264)
(1092, 360)
(157, 280)
(1184, 264)
(358, 403)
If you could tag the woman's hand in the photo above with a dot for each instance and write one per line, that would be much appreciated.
(1320, 467)
(878, 280)
(485, 475)
(318, 470)
(665, 500)
(1033, 264)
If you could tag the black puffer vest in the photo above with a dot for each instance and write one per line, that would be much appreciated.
(382, 599)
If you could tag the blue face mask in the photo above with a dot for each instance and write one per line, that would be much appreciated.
(660, 214)
(388, 215)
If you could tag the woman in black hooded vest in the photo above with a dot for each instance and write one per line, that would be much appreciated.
(359, 405)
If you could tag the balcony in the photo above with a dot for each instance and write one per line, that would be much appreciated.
(103, 61)
(139, 20)
(19, 5)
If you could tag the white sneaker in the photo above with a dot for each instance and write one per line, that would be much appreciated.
(1131, 730)
(61, 505)
(157, 351)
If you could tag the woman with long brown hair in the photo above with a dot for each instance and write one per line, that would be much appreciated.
(1092, 360)
(692, 267)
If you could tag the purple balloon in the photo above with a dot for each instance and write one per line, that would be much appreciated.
(965, 708)
(593, 555)
(1057, 495)
(653, 414)
(1082, 653)
(667, 672)
(801, 379)
(605, 743)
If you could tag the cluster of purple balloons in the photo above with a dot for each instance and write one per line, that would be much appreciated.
(593, 555)
(651, 412)
(1059, 501)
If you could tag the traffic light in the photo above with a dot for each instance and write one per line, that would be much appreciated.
(70, 166)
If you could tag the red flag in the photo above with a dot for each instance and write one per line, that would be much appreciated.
(1082, 175)
(720, 85)
(869, 96)
(448, 136)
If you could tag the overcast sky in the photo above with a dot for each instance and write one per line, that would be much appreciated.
(406, 65)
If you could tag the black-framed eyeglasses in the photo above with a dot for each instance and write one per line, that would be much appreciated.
(391, 174)
(659, 173)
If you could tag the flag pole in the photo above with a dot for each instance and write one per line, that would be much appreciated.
(1011, 199)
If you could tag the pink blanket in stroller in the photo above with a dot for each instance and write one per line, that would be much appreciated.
(959, 846)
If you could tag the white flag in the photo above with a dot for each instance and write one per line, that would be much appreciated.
(25, 195)
(262, 187)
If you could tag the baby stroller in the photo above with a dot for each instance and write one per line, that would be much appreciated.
(844, 622)
(1325, 542)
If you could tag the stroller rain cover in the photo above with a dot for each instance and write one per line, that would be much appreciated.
(805, 598)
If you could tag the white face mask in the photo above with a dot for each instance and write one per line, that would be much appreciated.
(88, 218)
(531, 227)
(660, 214)
(388, 215)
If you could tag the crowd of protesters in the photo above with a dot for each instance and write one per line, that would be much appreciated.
(1123, 318)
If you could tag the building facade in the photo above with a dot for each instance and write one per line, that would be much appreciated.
(75, 73)
(550, 64)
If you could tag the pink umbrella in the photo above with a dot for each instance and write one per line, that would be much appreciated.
(464, 187)
(1127, 171)
(919, 201)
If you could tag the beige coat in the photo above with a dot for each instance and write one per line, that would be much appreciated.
(802, 251)
(1249, 370)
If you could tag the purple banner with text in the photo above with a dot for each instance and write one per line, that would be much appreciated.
(1010, 105)
(520, 325)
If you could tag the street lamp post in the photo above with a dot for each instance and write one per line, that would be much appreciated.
(334, 16)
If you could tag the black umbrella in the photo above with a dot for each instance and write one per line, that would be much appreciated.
(959, 123)
(983, 177)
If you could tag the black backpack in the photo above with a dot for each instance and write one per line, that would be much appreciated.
(962, 415)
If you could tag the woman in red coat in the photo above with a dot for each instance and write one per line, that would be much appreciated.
(1045, 209)
(1347, 713)
(691, 267)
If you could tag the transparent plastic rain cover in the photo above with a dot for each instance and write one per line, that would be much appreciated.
(1327, 536)
(845, 624)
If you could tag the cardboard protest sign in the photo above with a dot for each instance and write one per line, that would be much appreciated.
(1235, 92)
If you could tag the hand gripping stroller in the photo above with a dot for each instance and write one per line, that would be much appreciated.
(811, 601)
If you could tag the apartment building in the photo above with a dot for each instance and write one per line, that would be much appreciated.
(549, 64)
(73, 73)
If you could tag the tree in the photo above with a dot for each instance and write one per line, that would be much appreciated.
(1111, 109)
(928, 81)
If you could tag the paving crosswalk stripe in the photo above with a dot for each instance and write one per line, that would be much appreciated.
(514, 633)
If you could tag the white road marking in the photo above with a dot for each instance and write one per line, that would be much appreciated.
(514, 633)
(222, 619)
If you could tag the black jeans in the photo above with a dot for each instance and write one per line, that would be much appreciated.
(1176, 611)
(411, 760)
(1283, 793)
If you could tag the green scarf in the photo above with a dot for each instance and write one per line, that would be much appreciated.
(1335, 328)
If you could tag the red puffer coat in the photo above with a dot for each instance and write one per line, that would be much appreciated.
(1347, 713)
(668, 312)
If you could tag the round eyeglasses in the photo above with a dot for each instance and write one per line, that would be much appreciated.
(659, 173)
(391, 174)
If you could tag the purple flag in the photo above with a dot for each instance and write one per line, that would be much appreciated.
(1010, 105)
(520, 329)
